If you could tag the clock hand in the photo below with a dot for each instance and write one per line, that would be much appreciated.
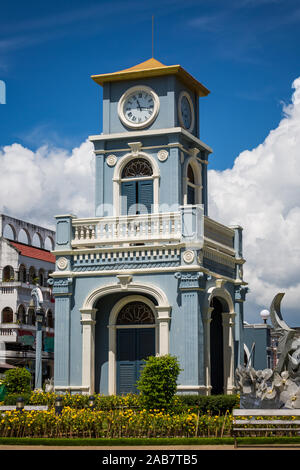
(139, 105)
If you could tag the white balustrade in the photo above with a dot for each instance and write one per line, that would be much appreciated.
(122, 230)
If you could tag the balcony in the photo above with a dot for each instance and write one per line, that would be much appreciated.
(184, 226)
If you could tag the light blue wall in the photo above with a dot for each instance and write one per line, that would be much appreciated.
(260, 335)
(186, 329)
(167, 88)
(171, 171)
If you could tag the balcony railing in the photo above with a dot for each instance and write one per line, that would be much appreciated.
(126, 230)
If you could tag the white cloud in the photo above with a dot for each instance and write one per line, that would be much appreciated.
(36, 186)
(262, 194)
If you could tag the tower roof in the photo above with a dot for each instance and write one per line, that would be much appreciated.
(152, 68)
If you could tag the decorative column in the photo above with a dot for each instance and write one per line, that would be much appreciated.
(240, 297)
(62, 291)
(88, 349)
(228, 348)
(192, 335)
(163, 318)
(206, 326)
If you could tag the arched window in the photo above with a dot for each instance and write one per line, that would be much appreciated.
(24, 237)
(8, 274)
(49, 244)
(135, 313)
(37, 240)
(31, 316)
(9, 232)
(32, 275)
(192, 182)
(7, 315)
(22, 273)
(21, 314)
(137, 187)
(137, 168)
(190, 186)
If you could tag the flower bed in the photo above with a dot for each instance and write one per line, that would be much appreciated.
(122, 423)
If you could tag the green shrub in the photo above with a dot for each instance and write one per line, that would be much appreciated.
(11, 399)
(214, 404)
(17, 381)
(158, 381)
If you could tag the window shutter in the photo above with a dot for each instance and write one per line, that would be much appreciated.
(126, 364)
(145, 196)
(128, 192)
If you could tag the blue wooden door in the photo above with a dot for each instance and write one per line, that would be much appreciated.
(133, 346)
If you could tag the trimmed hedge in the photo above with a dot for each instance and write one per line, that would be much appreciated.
(213, 404)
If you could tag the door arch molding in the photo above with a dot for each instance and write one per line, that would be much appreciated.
(88, 320)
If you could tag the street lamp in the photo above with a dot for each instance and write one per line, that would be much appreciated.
(37, 297)
(265, 315)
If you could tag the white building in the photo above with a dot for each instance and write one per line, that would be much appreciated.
(25, 260)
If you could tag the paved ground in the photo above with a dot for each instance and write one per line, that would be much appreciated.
(150, 448)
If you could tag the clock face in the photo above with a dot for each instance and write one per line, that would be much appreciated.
(138, 107)
(186, 111)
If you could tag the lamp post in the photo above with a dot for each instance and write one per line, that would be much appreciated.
(265, 315)
(37, 296)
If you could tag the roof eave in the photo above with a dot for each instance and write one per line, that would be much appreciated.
(182, 74)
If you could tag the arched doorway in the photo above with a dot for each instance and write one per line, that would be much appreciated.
(135, 342)
(101, 308)
(216, 348)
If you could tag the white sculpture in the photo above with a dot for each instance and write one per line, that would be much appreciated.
(278, 388)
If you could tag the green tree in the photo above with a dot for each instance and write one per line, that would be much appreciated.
(17, 380)
(158, 381)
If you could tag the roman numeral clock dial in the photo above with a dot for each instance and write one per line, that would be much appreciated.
(138, 107)
(186, 112)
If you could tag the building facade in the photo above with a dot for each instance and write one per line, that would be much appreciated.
(151, 273)
(25, 260)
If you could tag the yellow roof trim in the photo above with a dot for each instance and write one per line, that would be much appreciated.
(152, 68)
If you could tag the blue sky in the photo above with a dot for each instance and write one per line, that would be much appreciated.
(245, 51)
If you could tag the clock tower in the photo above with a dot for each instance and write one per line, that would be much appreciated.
(151, 273)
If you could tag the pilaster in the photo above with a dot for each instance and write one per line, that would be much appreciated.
(192, 359)
(62, 291)
(88, 349)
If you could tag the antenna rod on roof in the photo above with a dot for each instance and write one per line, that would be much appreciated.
(152, 37)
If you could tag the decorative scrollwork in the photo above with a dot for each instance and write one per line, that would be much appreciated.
(137, 168)
(135, 313)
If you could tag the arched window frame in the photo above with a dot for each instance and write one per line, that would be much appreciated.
(117, 179)
(32, 274)
(9, 312)
(8, 274)
(21, 314)
(22, 273)
(197, 185)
